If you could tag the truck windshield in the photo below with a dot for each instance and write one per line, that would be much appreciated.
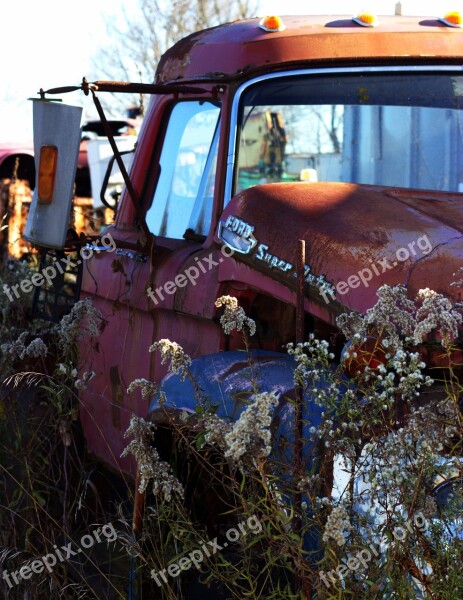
(400, 129)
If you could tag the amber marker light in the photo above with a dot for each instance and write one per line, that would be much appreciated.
(366, 19)
(272, 24)
(452, 19)
(47, 173)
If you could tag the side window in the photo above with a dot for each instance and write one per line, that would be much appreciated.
(183, 196)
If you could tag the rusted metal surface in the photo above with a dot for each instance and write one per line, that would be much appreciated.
(346, 227)
(123, 87)
(349, 227)
(241, 48)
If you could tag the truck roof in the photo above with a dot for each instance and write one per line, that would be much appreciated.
(235, 49)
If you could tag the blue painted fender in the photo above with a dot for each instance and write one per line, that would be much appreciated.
(227, 380)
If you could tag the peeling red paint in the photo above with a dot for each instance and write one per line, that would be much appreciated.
(346, 227)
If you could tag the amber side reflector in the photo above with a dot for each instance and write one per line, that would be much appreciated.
(366, 19)
(47, 173)
(452, 19)
(272, 23)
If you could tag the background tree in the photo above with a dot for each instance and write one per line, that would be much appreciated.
(139, 39)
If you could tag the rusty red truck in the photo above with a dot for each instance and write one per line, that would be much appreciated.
(342, 132)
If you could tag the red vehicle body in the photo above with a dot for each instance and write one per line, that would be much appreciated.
(8, 155)
(386, 100)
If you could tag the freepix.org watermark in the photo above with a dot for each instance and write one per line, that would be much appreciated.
(196, 557)
(102, 534)
(203, 265)
(362, 558)
(364, 276)
(106, 244)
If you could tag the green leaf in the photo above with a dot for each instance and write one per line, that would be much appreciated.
(201, 441)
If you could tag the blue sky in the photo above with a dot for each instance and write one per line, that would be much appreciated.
(51, 43)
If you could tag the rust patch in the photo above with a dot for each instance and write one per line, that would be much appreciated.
(229, 50)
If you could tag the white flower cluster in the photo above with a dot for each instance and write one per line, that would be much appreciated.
(408, 367)
(250, 436)
(81, 384)
(67, 370)
(148, 388)
(70, 371)
(179, 360)
(312, 358)
(378, 385)
(436, 312)
(350, 324)
(251, 430)
(395, 317)
(216, 430)
(35, 349)
(343, 423)
(404, 460)
(337, 525)
(392, 317)
(150, 465)
(234, 316)
(84, 319)
(401, 377)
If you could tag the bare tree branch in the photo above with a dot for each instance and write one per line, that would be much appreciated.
(137, 46)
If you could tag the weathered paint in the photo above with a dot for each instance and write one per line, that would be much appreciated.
(227, 381)
(349, 227)
(241, 49)
(345, 226)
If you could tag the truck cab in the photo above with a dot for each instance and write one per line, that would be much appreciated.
(260, 133)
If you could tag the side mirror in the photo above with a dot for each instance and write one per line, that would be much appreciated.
(57, 135)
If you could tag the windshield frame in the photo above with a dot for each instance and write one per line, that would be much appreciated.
(233, 144)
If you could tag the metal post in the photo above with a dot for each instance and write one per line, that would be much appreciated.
(302, 584)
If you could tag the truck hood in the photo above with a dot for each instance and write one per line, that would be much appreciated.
(358, 237)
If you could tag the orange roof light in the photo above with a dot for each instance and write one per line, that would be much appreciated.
(272, 23)
(366, 19)
(452, 19)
